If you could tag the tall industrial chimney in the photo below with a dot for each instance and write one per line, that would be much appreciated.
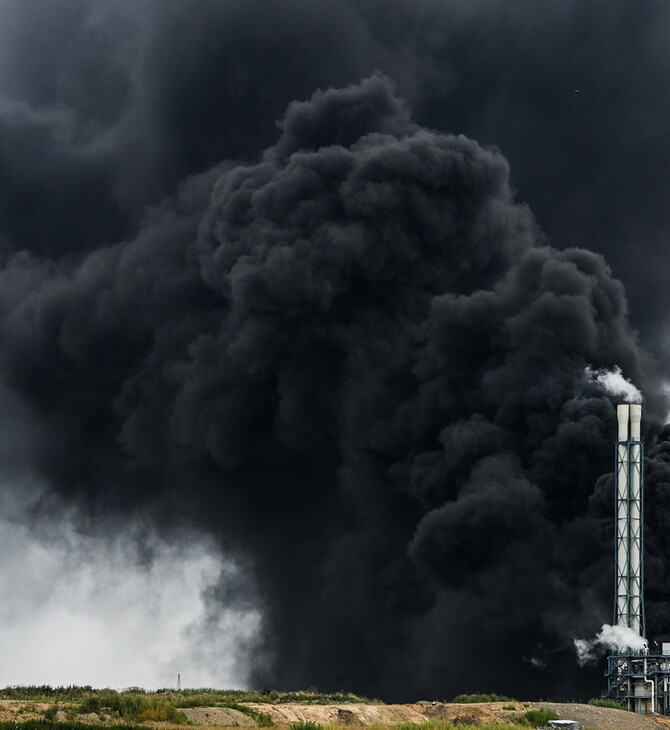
(636, 615)
(638, 680)
(622, 607)
(629, 607)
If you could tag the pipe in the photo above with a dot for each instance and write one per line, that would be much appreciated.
(653, 693)
(622, 522)
(635, 522)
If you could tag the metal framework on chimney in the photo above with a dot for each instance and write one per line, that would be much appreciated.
(629, 607)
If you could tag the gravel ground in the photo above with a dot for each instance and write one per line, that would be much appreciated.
(602, 718)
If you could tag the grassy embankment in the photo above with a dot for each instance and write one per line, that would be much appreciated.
(135, 705)
(70, 725)
(164, 705)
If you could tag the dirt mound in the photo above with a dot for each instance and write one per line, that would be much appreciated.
(345, 714)
(17, 710)
(601, 718)
(223, 716)
(480, 713)
(469, 714)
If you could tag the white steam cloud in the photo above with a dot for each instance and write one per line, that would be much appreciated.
(124, 608)
(613, 383)
(84, 610)
(609, 637)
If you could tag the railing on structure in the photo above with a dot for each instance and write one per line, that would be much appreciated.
(639, 682)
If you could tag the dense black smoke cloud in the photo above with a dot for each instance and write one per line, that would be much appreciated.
(342, 346)
(118, 101)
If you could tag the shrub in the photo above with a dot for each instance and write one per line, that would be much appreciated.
(533, 718)
(51, 712)
(607, 703)
(306, 725)
(132, 706)
(201, 697)
(51, 725)
(262, 718)
(481, 698)
(90, 704)
(509, 707)
(44, 693)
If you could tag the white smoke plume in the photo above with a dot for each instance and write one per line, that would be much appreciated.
(609, 637)
(613, 383)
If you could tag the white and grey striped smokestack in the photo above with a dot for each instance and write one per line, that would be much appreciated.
(622, 517)
(635, 508)
(628, 551)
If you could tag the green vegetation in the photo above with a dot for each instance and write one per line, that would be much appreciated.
(181, 698)
(132, 706)
(262, 718)
(51, 725)
(307, 725)
(509, 707)
(213, 697)
(159, 707)
(607, 703)
(481, 698)
(45, 693)
(534, 718)
(51, 713)
(164, 705)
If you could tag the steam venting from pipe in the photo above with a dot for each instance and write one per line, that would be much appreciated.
(617, 638)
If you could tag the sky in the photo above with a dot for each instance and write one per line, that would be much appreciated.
(307, 315)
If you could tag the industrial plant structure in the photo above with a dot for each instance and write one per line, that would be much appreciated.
(636, 678)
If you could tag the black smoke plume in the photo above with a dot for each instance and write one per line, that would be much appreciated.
(343, 347)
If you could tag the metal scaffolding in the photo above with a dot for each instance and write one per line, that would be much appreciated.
(629, 605)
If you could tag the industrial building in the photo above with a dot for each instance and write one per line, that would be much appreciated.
(638, 679)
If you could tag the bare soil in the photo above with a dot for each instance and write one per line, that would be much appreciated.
(362, 715)
(19, 710)
(479, 713)
(218, 716)
(602, 718)
(345, 714)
